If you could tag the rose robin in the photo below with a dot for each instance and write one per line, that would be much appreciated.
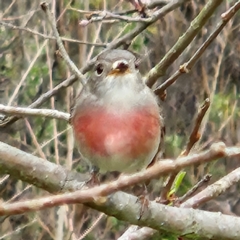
(116, 120)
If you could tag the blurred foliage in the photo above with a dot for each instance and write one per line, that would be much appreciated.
(216, 74)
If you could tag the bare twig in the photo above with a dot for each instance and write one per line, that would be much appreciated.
(195, 134)
(24, 77)
(18, 229)
(106, 15)
(183, 42)
(34, 140)
(87, 231)
(90, 13)
(186, 67)
(213, 190)
(165, 190)
(151, 5)
(24, 112)
(64, 54)
(9, 25)
(190, 192)
(134, 232)
(142, 26)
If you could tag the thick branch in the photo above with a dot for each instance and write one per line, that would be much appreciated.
(37, 171)
(121, 205)
(24, 112)
(30, 168)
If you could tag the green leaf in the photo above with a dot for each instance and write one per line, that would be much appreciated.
(177, 182)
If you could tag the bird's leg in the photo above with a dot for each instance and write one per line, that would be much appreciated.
(144, 201)
(94, 179)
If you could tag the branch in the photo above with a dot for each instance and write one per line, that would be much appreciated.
(106, 15)
(204, 181)
(183, 42)
(194, 137)
(9, 25)
(24, 112)
(195, 134)
(186, 67)
(9, 163)
(160, 217)
(213, 190)
(123, 206)
(202, 197)
(64, 54)
(42, 99)
(37, 171)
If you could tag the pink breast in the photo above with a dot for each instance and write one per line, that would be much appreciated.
(103, 133)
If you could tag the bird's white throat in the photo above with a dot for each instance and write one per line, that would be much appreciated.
(122, 92)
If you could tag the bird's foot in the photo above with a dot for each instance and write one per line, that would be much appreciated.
(94, 179)
(144, 201)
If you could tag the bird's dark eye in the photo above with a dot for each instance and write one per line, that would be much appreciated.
(99, 69)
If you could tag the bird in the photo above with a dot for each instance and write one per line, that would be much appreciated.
(116, 118)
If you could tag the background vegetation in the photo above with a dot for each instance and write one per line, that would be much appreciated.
(30, 67)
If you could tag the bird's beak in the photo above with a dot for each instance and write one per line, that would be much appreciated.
(119, 67)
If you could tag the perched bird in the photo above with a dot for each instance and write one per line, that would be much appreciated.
(116, 120)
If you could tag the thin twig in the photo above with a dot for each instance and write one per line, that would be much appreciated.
(105, 15)
(205, 180)
(213, 190)
(9, 25)
(24, 77)
(96, 16)
(183, 42)
(195, 134)
(11, 233)
(34, 140)
(87, 231)
(186, 67)
(64, 54)
(88, 12)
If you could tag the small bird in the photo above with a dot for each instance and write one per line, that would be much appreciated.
(116, 119)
